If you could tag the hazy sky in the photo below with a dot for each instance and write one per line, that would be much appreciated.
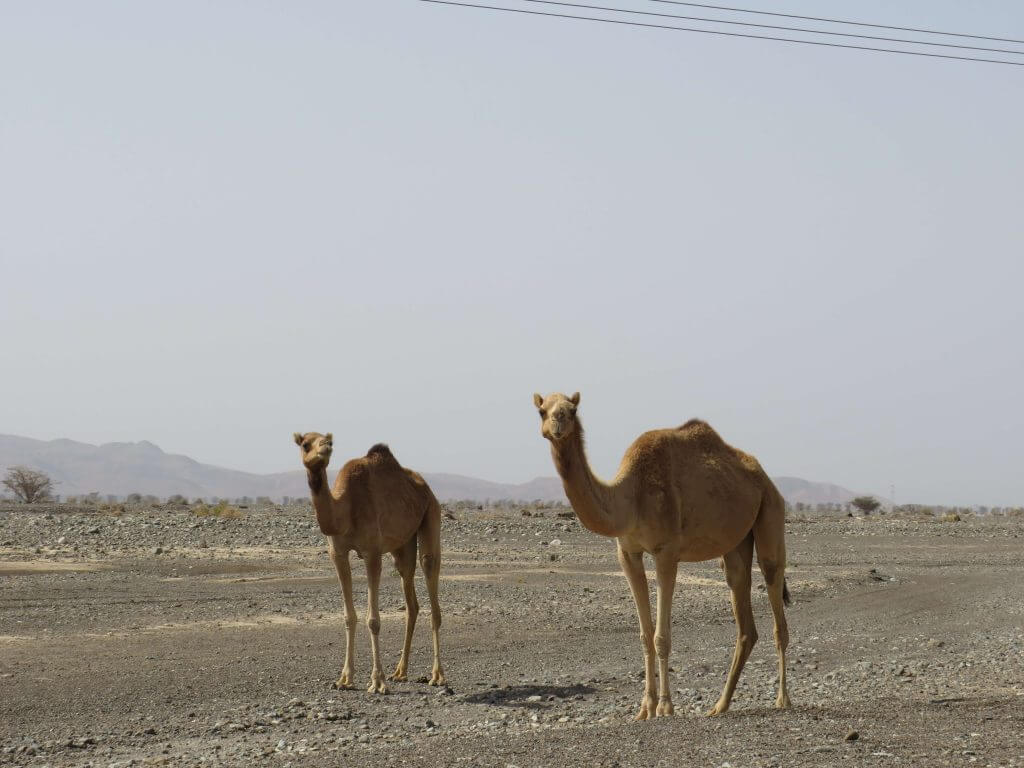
(224, 222)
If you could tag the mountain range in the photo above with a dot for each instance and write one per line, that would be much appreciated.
(123, 468)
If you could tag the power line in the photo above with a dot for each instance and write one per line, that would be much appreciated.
(773, 26)
(623, 22)
(838, 21)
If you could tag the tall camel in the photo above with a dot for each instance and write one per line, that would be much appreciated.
(680, 495)
(376, 507)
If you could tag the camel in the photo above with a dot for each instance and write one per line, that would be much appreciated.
(680, 495)
(377, 507)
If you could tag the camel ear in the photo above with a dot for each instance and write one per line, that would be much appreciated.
(330, 436)
(575, 399)
(298, 438)
(538, 400)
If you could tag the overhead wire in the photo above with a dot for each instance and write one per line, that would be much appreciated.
(647, 25)
(837, 21)
(773, 26)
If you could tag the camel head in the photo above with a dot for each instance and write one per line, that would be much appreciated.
(557, 415)
(316, 449)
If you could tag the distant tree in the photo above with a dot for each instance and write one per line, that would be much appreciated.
(866, 504)
(134, 498)
(29, 485)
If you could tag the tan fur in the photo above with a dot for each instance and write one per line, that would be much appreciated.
(377, 507)
(680, 494)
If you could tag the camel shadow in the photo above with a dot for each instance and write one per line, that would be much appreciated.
(520, 695)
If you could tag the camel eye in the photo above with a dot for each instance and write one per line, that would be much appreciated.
(305, 446)
(542, 414)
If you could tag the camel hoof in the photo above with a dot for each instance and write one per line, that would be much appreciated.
(647, 707)
(377, 686)
(665, 708)
(438, 678)
(343, 683)
(718, 710)
(399, 676)
(782, 702)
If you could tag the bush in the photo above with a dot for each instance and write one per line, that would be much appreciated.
(866, 504)
(220, 509)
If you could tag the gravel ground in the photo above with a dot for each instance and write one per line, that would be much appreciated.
(158, 637)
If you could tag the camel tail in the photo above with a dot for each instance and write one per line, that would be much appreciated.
(785, 593)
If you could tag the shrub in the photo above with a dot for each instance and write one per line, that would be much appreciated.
(220, 509)
(866, 504)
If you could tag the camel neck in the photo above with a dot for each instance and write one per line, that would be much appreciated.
(594, 502)
(326, 507)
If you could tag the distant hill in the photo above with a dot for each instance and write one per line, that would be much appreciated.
(461, 487)
(123, 468)
(794, 490)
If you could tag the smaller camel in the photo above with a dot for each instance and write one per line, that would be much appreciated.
(680, 495)
(377, 507)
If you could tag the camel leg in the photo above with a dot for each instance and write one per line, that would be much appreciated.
(773, 576)
(633, 566)
(771, 555)
(373, 621)
(737, 575)
(666, 565)
(341, 565)
(430, 561)
(405, 562)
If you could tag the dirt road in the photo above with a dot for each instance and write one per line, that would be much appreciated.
(907, 648)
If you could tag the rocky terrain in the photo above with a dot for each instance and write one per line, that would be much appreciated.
(161, 637)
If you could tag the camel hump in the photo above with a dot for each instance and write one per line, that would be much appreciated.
(698, 429)
(381, 450)
(696, 424)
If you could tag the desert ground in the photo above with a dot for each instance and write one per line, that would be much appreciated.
(158, 637)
